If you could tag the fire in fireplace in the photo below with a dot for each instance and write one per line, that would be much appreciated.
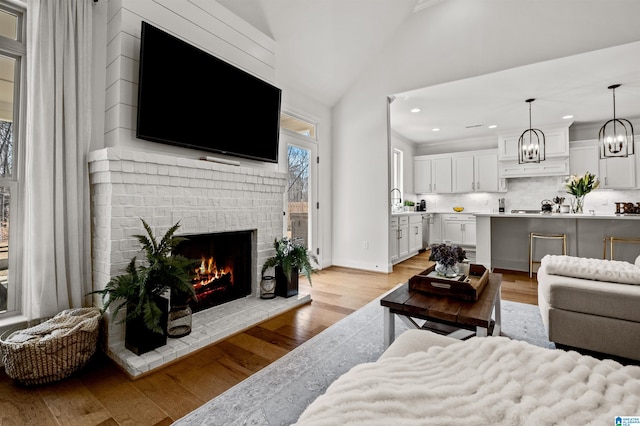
(223, 273)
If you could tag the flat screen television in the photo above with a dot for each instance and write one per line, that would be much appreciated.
(188, 97)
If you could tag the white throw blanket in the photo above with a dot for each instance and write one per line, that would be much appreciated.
(592, 269)
(482, 381)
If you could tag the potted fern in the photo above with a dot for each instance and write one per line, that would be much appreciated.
(290, 260)
(141, 288)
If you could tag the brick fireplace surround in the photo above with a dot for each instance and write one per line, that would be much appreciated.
(205, 197)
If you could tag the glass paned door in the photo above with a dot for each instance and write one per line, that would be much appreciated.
(298, 194)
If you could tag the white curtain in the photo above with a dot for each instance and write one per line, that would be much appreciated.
(56, 258)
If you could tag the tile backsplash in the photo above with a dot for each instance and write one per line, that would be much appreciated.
(528, 193)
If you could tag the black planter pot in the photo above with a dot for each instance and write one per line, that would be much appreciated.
(139, 339)
(284, 288)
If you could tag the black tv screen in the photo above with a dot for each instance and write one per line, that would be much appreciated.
(188, 97)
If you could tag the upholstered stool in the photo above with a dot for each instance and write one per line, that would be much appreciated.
(610, 241)
(533, 236)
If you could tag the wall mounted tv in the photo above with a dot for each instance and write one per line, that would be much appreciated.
(188, 97)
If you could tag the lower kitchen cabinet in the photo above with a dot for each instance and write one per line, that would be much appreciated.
(459, 229)
(405, 237)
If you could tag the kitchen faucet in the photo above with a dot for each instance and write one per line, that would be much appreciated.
(399, 198)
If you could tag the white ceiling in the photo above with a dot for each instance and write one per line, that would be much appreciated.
(322, 46)
(575, 85)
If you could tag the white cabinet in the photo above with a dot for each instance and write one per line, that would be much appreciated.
(459, 229)
(584, 159)
(441, 177)
(432, 174)
(393, 240)
(486, 173)
(556, 153)
(613, 173)
(476, 172)
(399, 238)
(470, 171)
(618, 173)
(463, 173)
(556, 144)
(422, 175)
(415, 234)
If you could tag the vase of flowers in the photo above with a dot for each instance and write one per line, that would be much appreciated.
(446, 258)
(579, 186)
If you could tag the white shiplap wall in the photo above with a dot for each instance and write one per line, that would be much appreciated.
(202, 23)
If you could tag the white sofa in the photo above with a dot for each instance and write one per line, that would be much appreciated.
(424, 378)
(591, 304)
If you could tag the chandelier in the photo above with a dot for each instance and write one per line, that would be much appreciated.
(531, 144)
(616, 136)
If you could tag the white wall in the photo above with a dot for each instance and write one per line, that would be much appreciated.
(449, 41)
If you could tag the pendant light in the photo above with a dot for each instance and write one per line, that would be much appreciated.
(531, 145)
(616, 136)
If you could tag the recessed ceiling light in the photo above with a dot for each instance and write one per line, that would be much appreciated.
(435, 129)
(492, 126)
(567, 117)
(415, 110)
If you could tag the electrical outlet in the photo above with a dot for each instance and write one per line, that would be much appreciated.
(365, 245)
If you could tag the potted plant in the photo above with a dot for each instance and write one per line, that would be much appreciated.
(140, 290)
(579, 186)
(446, 258)
(290, 260)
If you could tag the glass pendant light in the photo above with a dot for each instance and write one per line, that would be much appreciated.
(616, 136)
(531, 145)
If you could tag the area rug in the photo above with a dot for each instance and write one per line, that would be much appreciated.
(277, 394)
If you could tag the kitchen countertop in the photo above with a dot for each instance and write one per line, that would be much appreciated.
(561, 216)
(406, 213)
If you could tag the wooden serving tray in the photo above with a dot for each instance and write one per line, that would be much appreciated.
(461, 287)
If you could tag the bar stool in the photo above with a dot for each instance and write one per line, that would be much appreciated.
(534, 236)
(612, 240)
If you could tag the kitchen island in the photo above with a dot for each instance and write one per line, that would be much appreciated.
(503, 238)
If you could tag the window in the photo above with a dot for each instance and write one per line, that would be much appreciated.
(298, 125)
(397, 172)
(12, 52)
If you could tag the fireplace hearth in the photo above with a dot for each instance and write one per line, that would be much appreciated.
(223, 266)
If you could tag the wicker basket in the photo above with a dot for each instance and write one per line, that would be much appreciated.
(51, 350)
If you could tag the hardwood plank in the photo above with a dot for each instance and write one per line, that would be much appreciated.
(71, 403)
(21, 405)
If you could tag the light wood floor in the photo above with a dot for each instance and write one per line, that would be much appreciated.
(102, 395)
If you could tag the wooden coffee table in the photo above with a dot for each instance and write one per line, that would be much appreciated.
(446, 311)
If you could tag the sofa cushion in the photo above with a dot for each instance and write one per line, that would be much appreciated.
(592, 269)
(608, 299)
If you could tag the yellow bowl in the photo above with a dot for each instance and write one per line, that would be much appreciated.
(458, 209)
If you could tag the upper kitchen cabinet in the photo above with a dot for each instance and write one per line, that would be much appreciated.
(432, 174)
(556, 144)
(618, 173)
(556, 153)
(476, 172)
(583, 159)
(613, 173)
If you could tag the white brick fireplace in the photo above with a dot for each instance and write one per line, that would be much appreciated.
(205, 197)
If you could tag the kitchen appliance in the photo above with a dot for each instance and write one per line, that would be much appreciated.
(422, 207)
(547, 206)
(426, 222)
(500, 205)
